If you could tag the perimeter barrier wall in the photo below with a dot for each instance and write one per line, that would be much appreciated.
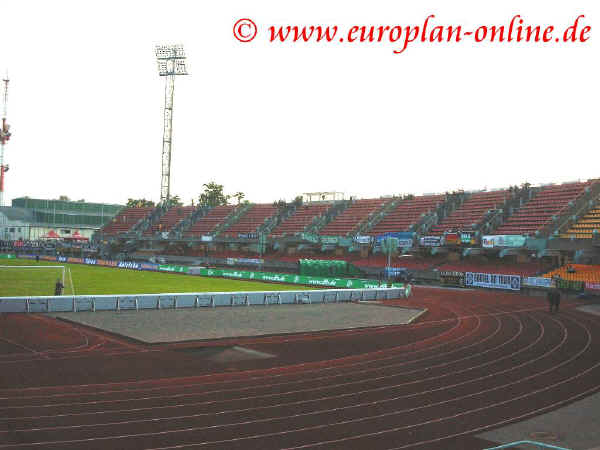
(190, 300)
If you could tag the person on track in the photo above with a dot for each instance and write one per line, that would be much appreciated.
(553, 297)
(550, 298)
(556, 303)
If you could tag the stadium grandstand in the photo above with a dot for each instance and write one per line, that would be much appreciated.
(585, 227)
(249, 221)
(473, 212)
(126, 219)
(523, 231)
(349, 220)
(406, 214)
(576, 272)
(300, 219)
(542, 210)
(170, 219)
(205, 225)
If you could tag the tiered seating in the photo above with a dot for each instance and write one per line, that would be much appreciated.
(302, 217)
(171, 218)
(538, 212)
(406, 213)
(209, 222)
(250, 221)
(126, 218)
(471, 212)
(579, 272)
(348, 219)
(499, 267)
(584, 227)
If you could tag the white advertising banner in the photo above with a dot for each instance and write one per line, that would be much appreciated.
(493, 281)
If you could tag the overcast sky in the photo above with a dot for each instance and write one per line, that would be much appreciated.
(273, 120)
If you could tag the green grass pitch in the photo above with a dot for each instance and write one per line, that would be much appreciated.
(99, 280)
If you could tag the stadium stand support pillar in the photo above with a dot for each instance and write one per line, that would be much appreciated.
(118, 304)
(212, 301)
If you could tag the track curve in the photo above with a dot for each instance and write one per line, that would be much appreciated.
(477, 360)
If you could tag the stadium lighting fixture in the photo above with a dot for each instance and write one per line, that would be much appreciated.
(171, 62)
(4, 138)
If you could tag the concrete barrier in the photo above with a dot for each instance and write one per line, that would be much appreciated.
(76, 303)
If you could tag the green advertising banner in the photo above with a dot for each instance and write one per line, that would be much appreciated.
(173, 268)
(348, 283)
(7, 256)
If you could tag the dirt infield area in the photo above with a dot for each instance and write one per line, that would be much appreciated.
(476, 361)
(172, 325)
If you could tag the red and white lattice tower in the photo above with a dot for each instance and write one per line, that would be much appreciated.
(4, 138)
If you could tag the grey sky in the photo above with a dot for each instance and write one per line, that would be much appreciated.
(277, 120)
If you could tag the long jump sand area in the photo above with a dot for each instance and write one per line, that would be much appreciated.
(172, 325)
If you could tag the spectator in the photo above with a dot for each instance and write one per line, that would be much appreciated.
(58, 287)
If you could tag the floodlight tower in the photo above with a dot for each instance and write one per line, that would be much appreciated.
(171, 62)
(4, 137)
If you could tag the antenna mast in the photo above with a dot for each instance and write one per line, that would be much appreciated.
(4, 137)
(171, 62)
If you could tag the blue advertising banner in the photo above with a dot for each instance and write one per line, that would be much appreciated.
(399, 235)
(129, 265)
(148, 266)
(538, 282)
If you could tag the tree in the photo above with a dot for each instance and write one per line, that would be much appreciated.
(213, 195)
(298, 201)
(174, 202)
(139, 203)
(64, 198)
(239, 196)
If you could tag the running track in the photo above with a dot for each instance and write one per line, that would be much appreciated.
(477, 360)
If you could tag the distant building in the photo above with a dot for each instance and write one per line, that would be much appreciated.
(30, 219)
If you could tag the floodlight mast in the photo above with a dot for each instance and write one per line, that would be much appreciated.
(4, 137)
(171, 62)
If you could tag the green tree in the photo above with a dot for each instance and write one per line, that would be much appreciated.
(174, 202)
(139, 203)
(64, 198)
(239, 196)
(213, 195)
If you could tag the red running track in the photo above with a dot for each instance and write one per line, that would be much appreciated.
(477, 360)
